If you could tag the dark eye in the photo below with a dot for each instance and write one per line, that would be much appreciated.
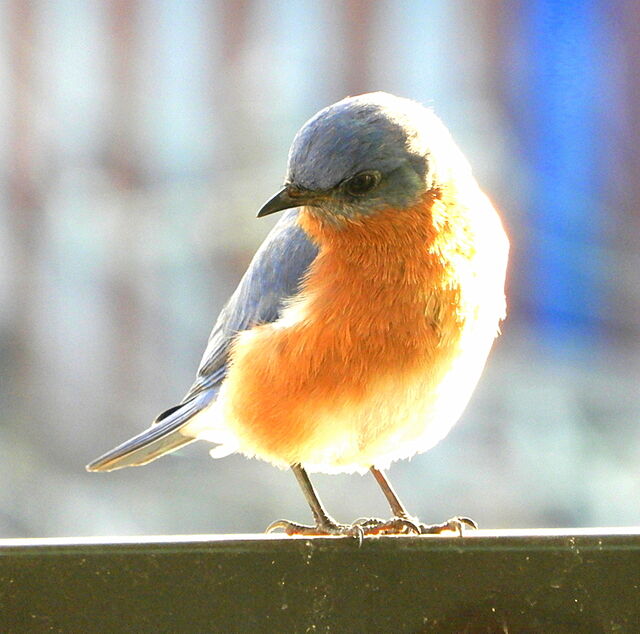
(361, 183)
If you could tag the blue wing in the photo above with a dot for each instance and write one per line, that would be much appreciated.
(274, 275)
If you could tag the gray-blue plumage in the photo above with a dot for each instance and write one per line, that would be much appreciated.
(373, 132)
(274, 275)
(345, 138)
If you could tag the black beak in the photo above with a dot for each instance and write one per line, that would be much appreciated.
(284, 200)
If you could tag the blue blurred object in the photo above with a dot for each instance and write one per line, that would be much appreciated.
(558, 101)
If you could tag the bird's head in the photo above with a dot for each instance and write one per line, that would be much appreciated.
(367, 153)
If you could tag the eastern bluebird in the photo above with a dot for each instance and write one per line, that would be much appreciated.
(361, 327)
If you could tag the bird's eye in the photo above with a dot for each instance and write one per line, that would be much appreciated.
(362, 183)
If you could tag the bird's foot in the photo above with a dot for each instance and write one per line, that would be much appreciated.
(328, 527)
(402, 525)
(394, 526)
(373, 526)
(456, 524)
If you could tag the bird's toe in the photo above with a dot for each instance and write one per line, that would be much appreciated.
(456, 524)
(329, 528)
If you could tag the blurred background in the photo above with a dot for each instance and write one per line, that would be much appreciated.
(138, 139)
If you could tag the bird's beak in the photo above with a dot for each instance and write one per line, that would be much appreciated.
(287, 198)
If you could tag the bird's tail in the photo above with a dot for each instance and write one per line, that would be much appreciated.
(163, 437)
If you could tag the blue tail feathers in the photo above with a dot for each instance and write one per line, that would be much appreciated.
(161, 438)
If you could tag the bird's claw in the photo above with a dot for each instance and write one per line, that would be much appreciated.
(455, 524)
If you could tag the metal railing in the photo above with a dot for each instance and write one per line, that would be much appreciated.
(490, 581)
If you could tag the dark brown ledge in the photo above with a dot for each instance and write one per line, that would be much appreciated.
(491, 581)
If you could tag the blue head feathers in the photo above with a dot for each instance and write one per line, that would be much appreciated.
(366, 153)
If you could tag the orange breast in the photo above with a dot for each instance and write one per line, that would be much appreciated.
(382, 299)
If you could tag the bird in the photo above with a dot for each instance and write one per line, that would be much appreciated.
(362, 324)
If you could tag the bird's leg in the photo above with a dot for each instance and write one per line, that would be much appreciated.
(401, 518)
(324, 523)
(397, 508)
